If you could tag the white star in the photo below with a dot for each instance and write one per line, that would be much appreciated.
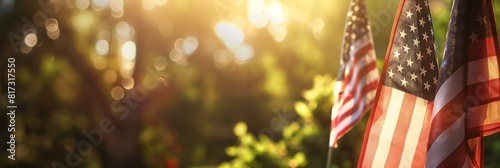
(409, 14)
(423, 71)
(425, 36)
(429, 17)
(435, 80)
(413, 28)
(426, 3)
(419, 56)
(406, 48)
(429, 51)
(418, 8)
(396, 54)
(422, 22)
(416, 42)
(400, 68)
(391, 74)
(427, 86)
(474, 37)
(409, 62)
(481, 20)
(402, 34)
(413, 76)
(432, 65)
(403, 82)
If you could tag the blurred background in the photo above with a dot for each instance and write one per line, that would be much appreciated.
(184, 83)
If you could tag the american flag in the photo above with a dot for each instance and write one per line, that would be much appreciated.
(398, 127)
(358, 76)
(467, 104)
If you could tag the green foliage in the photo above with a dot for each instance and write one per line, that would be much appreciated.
(292, 149)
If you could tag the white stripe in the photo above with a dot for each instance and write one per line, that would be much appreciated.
(413, 134)
(476, 71)
(446, 143)
(365, 60)
(388, 128)
(348, 120)
(450, 88)
(493, 68)
(355, 47)
(367, 79)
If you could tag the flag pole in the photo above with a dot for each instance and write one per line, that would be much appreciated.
(329, 159)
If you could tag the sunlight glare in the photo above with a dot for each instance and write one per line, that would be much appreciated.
(82, 4)
(128, 50)
(255, 13)
(128, 83)
(243, 53)
(275, 14)
(190, 45)
(102, 47)
(230, 34)
(117, 93)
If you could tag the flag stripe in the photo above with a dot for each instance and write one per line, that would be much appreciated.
(399, 134)
(369, 92)
(388, 127)
(421, 149)
(446, 143)
(377, 117)
(414, 132)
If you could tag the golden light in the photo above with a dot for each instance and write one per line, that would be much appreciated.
(256, 13)
(161, 63)
(109, 76)
(102, 47)
(99, 5)
(117, 93)
(275, 14)
(210, 45)
(99, 62)
(151, 4)
(221, 58)
(243, 53)
(230, 34)
(128, 50)
(278, 32)
(190, 45)
(52, 27)
(30, 40)
(128, 83)
(123, 29)
(82, 4)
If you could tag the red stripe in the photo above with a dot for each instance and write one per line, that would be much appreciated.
(421, 151)
(370, 142)
(368, 88)
(399, 137)
(456, 158)
(446, 116)
(347, 129)
(357, 56)
(482, 48)
(372, 86)
(377, 112)
(352, 94)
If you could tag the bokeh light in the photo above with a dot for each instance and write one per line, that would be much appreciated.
(161, 63)
(128, 50)
(230, 34)
(109, 76)
(128, 83)
(102, 47)
(30, 39)
(117, 93)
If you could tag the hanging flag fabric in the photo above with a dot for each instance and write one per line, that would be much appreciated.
(467, 104)
(398, 127)
(358, 75)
